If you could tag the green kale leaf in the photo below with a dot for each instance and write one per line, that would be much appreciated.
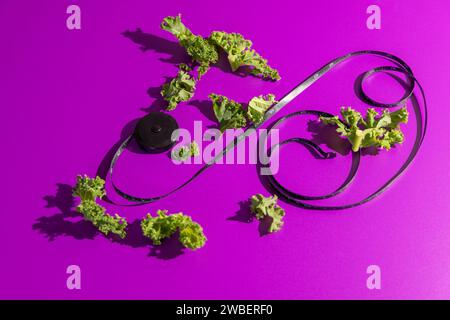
(160, 227)
(267, 208)
(183, 153)
(163, 226)
(229, 113)
(88, 190)
(258, 106)
(240, 53)
(106, 223)
(200, 49)
(194, 149)
(374, 130)
(180, 88)
(191, 234)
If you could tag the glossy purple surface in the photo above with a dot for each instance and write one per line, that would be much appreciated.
(68, 96)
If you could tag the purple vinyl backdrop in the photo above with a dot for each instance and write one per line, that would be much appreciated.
(68, 96)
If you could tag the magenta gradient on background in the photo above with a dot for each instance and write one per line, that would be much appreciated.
(67, 96)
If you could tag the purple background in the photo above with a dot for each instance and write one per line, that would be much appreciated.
(68, 95)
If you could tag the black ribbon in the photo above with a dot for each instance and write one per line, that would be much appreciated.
(285, 193)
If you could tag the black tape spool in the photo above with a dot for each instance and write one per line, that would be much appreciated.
(154, 133)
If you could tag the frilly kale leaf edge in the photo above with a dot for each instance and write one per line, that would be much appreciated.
(375, 130)
(183, 153)
(163, 226)
(231, 115)
(267, 208)
(89, 190)
(240, 53)
(181, 88)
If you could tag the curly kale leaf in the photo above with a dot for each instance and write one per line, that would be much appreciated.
(200, 49)
(398, 116)
(191, 234)
(183, 153)
(88, 190)
(176, 27)
(240, 53)
(229, 113)
(258, 106)
(160, 227)
(163, 226)
(180, 88)
(106, 223)
(374, 130)
(194, 149)
(264, 207)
